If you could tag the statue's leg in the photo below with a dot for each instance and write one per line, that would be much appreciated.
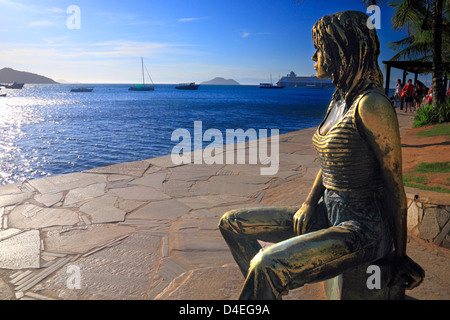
(312, 257)
(243, 227)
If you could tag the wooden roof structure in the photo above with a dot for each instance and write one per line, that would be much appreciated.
(415, 67)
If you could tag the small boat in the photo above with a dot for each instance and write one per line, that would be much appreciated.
(143, 86)
(3, 95)
(187, 86)
(15, 85)
(82, 89)
(270, 85)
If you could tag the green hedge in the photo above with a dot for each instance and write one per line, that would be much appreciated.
(427, 115)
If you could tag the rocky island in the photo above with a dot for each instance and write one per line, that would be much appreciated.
(8, 75)
(221, 81)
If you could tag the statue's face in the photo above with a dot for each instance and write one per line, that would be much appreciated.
(320, 66)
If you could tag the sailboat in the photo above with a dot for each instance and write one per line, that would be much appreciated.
(270, 85)
(143, 86)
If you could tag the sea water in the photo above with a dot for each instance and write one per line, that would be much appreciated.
(47, 130)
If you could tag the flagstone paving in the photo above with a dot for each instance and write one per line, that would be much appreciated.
(148, 229)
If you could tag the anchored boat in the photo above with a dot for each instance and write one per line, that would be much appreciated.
(82, 89)
(270, 85)
(15, 85)
(187, 86)
(143, 86)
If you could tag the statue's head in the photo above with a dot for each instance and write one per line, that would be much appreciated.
(347, 51)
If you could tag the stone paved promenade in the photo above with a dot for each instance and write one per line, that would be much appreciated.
(148, 229)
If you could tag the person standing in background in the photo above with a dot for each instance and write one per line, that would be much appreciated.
(408, 93)
(398, 92)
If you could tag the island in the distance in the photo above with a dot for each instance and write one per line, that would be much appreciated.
(8, 75)
(221, 81)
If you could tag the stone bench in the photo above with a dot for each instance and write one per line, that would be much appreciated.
(352, 284)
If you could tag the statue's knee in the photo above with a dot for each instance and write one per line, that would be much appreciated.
(261, 261)
(227, 220)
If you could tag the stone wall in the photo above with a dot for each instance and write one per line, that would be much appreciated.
(429, 216)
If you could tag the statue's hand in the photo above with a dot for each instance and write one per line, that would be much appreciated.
(304, 219)
(407, 273)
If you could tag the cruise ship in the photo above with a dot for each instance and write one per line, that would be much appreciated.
(292, 80)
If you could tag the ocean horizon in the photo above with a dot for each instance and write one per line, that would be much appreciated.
(47, 130)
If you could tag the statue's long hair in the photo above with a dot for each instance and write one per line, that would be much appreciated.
(350, 50)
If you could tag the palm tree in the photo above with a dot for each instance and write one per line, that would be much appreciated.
(437, 65)
(417, 45)
(427, 40)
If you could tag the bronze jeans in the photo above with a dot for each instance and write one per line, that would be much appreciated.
(349, 231)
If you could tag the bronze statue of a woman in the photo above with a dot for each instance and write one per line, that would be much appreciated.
(356, 210)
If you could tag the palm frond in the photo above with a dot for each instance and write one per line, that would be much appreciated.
(415, 51)
(408, 12)
(415, 16)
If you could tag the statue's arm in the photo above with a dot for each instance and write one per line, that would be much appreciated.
(304, 218)
(317, 190)
(377, 121)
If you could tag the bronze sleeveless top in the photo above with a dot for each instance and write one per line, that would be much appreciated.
(346, 159)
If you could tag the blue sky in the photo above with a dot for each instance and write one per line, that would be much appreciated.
(181, 41)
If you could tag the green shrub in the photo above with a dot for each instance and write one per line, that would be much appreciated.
(427, 115)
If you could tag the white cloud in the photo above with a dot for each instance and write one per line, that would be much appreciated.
(128, 19)
(191, 19)
(56, 10)
(30, 8)
(17, 16)
(42, 23)
(11, 3)
(55, 40)
(246, 34)
(73, 53)
(109, 61)
(187, 19)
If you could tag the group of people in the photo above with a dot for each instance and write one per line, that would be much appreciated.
(414, 95)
